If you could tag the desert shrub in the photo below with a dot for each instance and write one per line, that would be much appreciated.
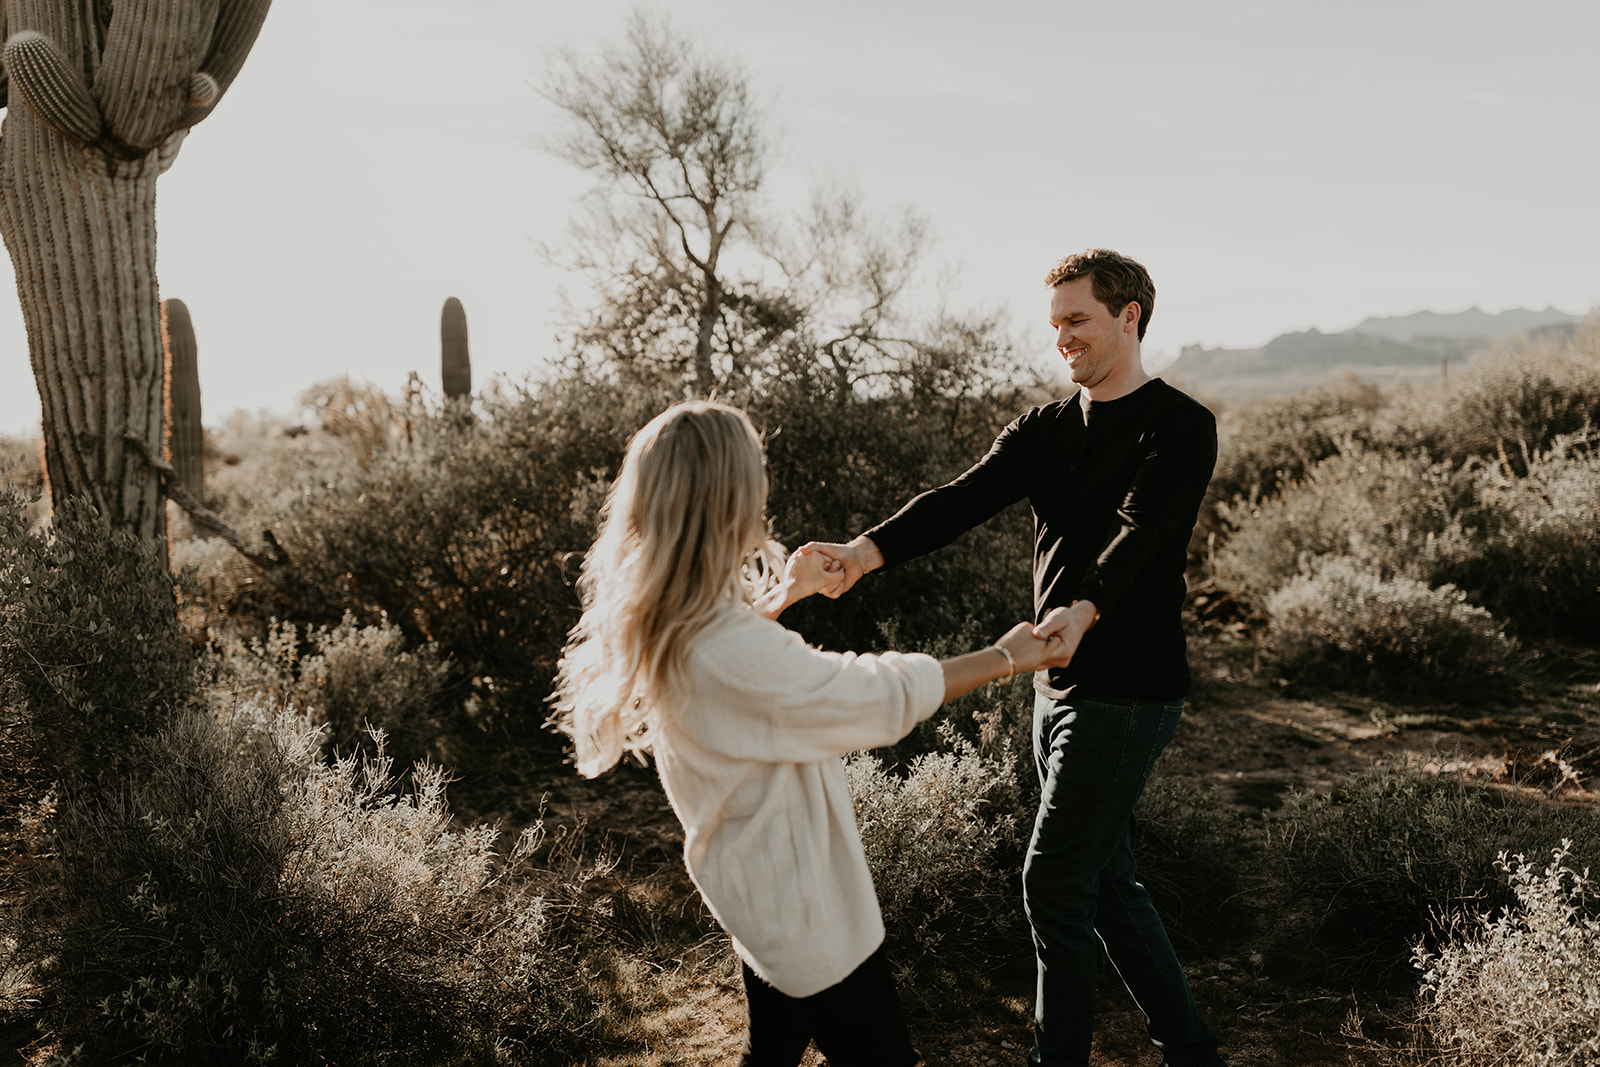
(91, 652)
(1369, 867)
(1342, 624)
(945, 854)
(1264, 445)
(466, 539)
(350, 679)
(1523, 986)
(1394, 514)
(1513, 404)
(1539, 561)
(839, 466)
(22, 468)
(471, 536)
(242, 901)
(1191, 849)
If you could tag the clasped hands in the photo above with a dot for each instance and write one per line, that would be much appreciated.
(832, 569)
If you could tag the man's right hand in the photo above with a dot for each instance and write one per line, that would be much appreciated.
(857, 557)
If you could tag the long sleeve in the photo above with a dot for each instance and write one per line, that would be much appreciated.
(933, 519)
(750, 759)
(799, 704)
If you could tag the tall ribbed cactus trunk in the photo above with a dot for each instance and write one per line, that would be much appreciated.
(82, 235)
(99, 95)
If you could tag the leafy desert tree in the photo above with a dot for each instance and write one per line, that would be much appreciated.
(696, 282)
(100, 96)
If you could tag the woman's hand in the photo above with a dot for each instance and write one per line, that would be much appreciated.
(1031, 653)
(806, 572)
(1018, 652)
(809, 571)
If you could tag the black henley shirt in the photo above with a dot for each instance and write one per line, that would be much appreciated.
(1115, 488)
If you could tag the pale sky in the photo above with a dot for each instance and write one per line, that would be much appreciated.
(1277, 164)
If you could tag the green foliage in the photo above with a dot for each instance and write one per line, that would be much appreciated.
(350, 679)
(1524, 545)
(1343, 624)
(470, 541)
(90, 645)
(1522, 986)
(1191, 854)
(21, 465)
(1264, 445)
(944, 849)
(465, 540)
(1537, 560)
(1370, 866)
(1394, 515)
(1514, 404)
(841, 463)
(241, 901)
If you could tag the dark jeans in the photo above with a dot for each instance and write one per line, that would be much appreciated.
(856, 1023)
(1094, 757)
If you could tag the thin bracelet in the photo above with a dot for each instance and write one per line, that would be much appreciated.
(1011, 663)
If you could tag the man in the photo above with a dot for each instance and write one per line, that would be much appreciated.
(1115, 475)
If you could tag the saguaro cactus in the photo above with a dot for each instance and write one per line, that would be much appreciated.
(455, 364)
(185, 432)
(100, 95)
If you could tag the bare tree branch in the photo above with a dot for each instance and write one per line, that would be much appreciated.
(274, 558)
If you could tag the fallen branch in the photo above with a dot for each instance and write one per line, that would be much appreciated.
(272, 559)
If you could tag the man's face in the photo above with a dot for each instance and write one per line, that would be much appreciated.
(1093, 340)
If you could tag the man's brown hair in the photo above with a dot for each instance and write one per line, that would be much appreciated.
(1114, 279)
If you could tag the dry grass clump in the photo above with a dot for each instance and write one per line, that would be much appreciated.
(1342, 624)
(1522, 986)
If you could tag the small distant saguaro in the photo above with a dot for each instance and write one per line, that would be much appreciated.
(455, 363)
(185, 432)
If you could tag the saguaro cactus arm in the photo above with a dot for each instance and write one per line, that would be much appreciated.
(50, 87)
(152, 49)
(167, 63)
(238, 25)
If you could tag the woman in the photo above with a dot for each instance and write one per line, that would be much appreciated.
(678, 652)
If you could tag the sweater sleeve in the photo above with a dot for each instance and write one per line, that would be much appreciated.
(1163, 498)
(935, 518)
(766, 696)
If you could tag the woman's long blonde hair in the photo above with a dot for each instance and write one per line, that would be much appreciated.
(682, 537)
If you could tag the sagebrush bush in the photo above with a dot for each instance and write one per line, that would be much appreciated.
(350, 679)
(241, 901)
(469, 536)
(945, 857)
(1264, 445)
(1397, 515)
(1191, 849)
(1368, 868)
(1538, 563)
(1521, 986)
(1342, 624)
(1514, 403)
(91, 653)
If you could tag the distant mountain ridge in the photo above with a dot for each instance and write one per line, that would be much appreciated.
(1472, 322)
(1397, 346)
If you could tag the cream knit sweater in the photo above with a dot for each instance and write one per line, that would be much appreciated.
(751, 764)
